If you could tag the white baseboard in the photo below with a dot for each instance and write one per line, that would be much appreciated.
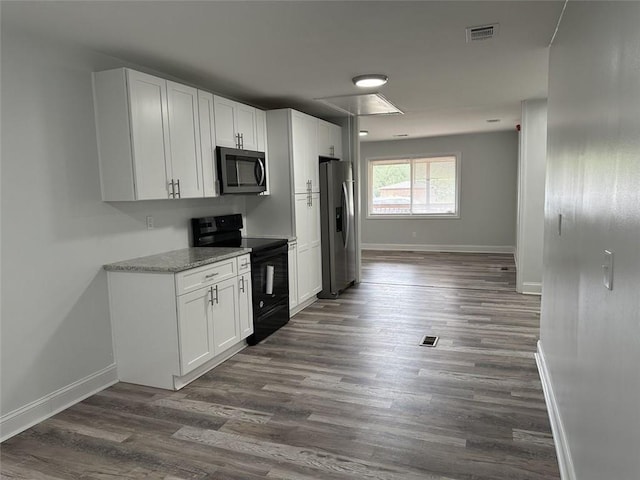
(565, 463)
(302, 306)
(439, 248)
(531, 288)
(35, 412)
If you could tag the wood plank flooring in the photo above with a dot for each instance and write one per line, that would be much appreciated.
(341, 392)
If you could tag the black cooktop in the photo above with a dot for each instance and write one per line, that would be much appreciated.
(224, 231)
(254, 243)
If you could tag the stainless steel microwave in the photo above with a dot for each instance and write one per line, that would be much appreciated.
(241, 171)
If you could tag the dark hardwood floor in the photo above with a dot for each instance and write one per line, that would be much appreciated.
(341, 392)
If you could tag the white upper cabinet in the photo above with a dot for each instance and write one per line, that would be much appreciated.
(304, 146)
(329, 140)
(236, 124)
(208, 144)
(184, 141)
(148, 137)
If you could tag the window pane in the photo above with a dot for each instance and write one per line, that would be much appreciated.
(434, 185)
(391, 192)
(443, 184)
(420, 186)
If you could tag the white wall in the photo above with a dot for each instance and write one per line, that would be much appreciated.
(590, 336)
(487, 195)
(532, 159)
(56, 232)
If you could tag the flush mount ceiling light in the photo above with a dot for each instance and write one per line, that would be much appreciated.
(363, 133)
(370, 80)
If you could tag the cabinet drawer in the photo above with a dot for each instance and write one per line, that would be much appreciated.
(191, 280)
(244, 264)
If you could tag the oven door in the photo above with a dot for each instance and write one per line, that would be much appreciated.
(269, 279)
(241, 171)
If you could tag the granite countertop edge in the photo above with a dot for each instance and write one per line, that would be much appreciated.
(176, 260)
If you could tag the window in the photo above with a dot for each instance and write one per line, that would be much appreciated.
(421, 186)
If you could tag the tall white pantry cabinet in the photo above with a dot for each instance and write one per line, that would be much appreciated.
(293, 153)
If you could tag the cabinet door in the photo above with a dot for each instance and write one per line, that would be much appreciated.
(151, 156)
(304, 247)
(299, 140)
(324, 138)
(208, 144)
(226, 329)
(195, 329)
(245, 307)
(315, 246)
(293, 276)
(184, 140)
(225, 121)
(335, 135)
(246, 126)
(312, 161)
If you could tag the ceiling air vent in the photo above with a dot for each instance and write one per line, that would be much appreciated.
(481, 33)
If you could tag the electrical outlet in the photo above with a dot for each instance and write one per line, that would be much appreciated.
(607, 269)
(149, 222)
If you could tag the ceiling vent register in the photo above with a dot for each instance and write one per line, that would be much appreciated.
(483, 32)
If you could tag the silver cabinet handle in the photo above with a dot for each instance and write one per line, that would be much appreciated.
(242, 284)
(211, 275)
(216, 290)
(172, 193)
(242, 141)
(211, 292)
(244, 265)
(178, 185)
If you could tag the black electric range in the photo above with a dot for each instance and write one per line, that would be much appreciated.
(269, 269)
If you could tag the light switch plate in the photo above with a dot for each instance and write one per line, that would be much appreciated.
(607, 269)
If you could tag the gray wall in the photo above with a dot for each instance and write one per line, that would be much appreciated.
(487, 195)
(590, 336)
(56, 232)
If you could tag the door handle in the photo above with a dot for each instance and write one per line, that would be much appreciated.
(346, 213)
(262, 172)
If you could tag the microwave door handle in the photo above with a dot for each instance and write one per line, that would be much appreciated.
(260, 179)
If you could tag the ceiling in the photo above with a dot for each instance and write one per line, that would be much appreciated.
(276, 54)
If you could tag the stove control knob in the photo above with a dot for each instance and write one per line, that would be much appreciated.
(261, 304)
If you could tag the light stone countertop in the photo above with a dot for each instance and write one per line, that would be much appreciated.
(177, 260)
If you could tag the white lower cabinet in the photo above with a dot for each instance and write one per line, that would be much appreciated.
(225, 313)
(309, 254)
(293, 275)
(195, 329)
(167, 333)
(245, 310)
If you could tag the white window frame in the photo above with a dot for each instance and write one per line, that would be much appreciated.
(415, 216)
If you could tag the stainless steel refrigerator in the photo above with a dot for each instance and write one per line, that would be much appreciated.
(337, 227)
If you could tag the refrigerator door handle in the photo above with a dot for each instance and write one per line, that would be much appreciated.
(345, 214)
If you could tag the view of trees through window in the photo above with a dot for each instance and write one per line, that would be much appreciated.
(417, 186)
